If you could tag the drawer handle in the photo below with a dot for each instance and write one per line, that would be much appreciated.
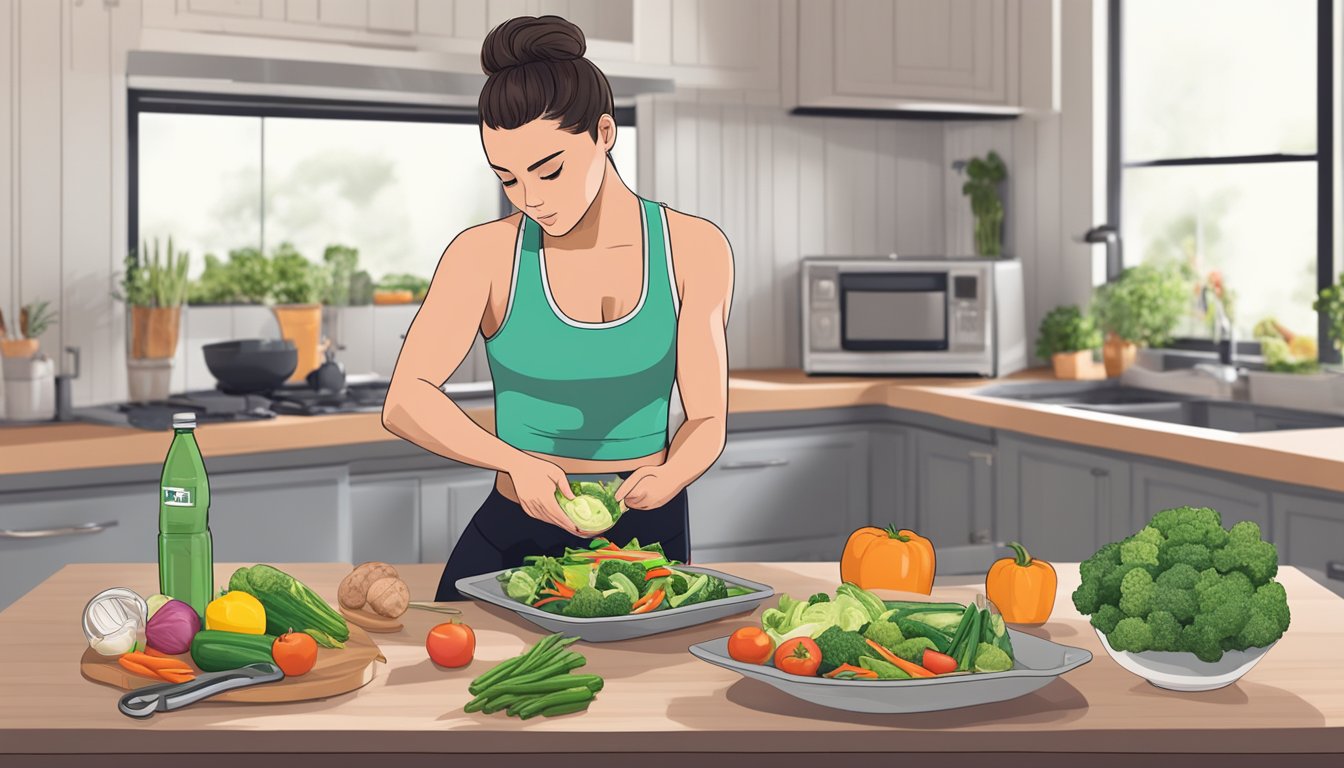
(754, 464)
(1335, 569)
(988, 458)
(47, 533)
(1099, 472)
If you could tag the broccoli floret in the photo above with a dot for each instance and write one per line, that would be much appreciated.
(716, 589)
(989, 658)
(1096, 566)
(839, 647)
(1136, 551)
(1195, 525)
(586, 604)
(1087, 597)
(820, 597)
(1131, 634)
(1197, 556)
(885, 634)
(912, 649)
(1201, 641)
(633, 571)
(1109, 590)
(1106, 617)
(1269, 617)
(1136, 593)
(1224, 602)
(616, 604)
(1179, 576)
(1180, 603)
(1247, 552)
(1166, 631)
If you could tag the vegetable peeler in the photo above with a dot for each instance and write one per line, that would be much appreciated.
(165, 697)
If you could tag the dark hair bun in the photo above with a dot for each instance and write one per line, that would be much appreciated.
(530, 39)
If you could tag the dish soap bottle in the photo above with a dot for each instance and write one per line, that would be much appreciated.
(186, 556)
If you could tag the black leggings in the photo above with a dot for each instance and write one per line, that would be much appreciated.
(501, 534)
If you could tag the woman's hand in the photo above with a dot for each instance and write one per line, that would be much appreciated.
(535, 482)
(648, 488)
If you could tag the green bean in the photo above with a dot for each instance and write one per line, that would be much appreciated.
(564, 709)
(567, 696)
(552, 684)
(500, 702)
(475, 704)
(558, 667)
(547, 654)
(511, 666)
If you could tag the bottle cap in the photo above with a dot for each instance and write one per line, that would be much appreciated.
(186, 420)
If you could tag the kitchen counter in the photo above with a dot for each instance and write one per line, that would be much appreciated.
(662, 706)
(1307, 457)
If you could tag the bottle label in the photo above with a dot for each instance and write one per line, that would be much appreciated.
(177, 497)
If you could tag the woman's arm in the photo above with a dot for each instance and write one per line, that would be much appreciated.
(439, 338)
(705, 273)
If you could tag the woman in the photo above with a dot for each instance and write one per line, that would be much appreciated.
(589, 317)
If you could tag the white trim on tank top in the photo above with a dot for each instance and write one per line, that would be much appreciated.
(671, 272)
(513, 279)
(643, 291)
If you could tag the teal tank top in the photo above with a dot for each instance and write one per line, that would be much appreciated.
(586, 390)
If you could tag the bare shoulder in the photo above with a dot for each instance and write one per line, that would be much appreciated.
(482, 249)
(697, 234)
(701, 253)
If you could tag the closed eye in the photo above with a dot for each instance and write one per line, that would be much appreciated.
(556, 174)
(509, 183)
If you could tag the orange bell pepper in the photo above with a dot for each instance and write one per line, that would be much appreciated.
(885, 558)
(1022, 587)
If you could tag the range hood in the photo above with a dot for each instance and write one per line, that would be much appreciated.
(220, 73)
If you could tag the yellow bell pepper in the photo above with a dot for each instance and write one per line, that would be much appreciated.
(236, 612)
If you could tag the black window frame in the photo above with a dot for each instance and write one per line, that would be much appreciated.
(148, 100)
(1323, 157)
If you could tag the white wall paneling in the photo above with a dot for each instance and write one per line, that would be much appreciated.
(9, 152)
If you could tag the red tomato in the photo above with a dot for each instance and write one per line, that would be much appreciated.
(751, 645)
(799, 656)
(938, 663)
(294, 653)
(451, 644)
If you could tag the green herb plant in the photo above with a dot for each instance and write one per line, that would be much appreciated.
(1330, 302)
(982, 186)
(1066, 329)
(297, 280)
(341, 261)
(153, 279)
(1144, 304)
(35, 318)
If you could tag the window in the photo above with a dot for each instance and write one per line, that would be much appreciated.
(1224, 152)
(219, 173)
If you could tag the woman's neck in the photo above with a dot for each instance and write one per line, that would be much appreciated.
(608, 222)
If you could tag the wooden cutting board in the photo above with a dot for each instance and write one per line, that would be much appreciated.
(337, 671)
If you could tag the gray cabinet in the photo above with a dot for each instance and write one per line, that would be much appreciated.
(286, 515)
(955, 495)
(1309, 534)
(1062, 503)
(414, 516)
(781, 495)
(892, 476)
(1155, 488)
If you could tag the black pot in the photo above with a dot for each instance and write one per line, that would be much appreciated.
(251, 366)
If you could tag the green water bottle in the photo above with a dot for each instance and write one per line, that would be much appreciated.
(186, 557)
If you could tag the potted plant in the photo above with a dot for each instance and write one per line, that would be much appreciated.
(34, 319)
(298, 288)
(1067, 338)
(154, 287)
(400, 288)
(982, 186)
(341, 263)
(1141, 307)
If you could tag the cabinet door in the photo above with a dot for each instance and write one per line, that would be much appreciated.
(1158, 488)
(385, 519)
(804, 491)
(448, 499)
(891, 473)
(955, 489)
(286, 516)
(855, 53)
(1061, 503)
(1309, 534)
(42, 531)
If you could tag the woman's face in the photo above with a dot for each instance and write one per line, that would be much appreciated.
(548, 173)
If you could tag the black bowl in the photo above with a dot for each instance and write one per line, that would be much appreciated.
(251, 366)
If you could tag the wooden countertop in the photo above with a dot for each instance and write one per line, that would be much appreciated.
(1309, 457)
(659, 699)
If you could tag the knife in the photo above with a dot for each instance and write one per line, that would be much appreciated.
(165, 697)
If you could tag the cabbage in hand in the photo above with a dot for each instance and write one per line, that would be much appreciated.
(594, 507)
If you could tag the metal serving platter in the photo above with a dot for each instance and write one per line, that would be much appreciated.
(487, 589)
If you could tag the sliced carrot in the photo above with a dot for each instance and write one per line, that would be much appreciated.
(563, 589)
(657, 573)
(858, 671)
(177, 677)
(914, 670)
(154, 662)
(137, 668)
(650, 602)
(611, 546)
(152, 651)
(544, 601)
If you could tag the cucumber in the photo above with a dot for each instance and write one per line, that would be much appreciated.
(941, 640)
(214, 650)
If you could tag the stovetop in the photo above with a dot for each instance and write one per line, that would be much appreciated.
(213, 406)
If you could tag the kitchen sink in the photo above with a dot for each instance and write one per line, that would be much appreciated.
(1136, 402)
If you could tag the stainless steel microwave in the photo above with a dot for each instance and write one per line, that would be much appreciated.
(920, 315)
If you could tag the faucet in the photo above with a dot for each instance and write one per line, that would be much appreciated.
(1225, 372)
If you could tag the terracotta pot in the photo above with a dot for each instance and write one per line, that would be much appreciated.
(302, 324)
(1118, 354)
(1072, 365)
(18, 347)
(154, 332)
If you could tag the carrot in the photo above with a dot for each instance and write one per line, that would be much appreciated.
(913, 669)
(858, 671)
(562, 589)
(137, 668)
(177, 677)
(617, 554)
(650, 602)
(611, 546)
(152, 651)
(657, 573)
(544, 601)
(154, 662)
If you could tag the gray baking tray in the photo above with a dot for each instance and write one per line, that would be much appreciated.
(1036, 663)
(487, 588)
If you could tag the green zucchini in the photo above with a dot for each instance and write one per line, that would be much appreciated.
(941, 640)
(214, 650)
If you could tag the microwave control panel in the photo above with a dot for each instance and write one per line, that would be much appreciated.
(822, 309)
(966, 310)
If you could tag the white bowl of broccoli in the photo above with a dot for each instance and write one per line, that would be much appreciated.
(1185, 603)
